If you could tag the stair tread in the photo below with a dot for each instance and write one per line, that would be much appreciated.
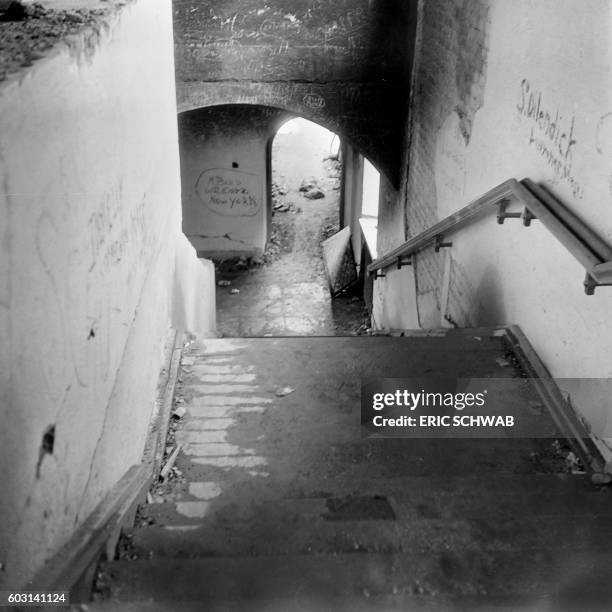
(346, 577)
(476, 522)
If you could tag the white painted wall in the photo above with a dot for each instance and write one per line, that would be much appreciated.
(352, 194)
(370, 190)
(224, 208)
(394, 300)
(559, 52)
(90, 224)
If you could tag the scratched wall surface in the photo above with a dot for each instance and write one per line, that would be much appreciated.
(514, 89)
(224, 177)
(342, 64)
(90, 222)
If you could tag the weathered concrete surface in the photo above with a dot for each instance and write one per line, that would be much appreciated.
(344, 64)
(289, 295)
(90, 224)
(225, 167)
(501, 91)
(194, 307)
(31, 29)
(477, 522)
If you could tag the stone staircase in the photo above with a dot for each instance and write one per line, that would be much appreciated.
(280, 504)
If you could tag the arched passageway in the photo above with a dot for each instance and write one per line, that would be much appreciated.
(284, 291)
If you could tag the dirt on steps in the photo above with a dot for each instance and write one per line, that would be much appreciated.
(280, 501)
(285, 292)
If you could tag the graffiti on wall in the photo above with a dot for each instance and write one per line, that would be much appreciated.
(230, 193)
(603, 141)
(552, 134)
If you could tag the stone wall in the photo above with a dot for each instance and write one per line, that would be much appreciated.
(344, 64)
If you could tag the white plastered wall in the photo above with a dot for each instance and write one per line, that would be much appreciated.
(90, 219)
(542, 56)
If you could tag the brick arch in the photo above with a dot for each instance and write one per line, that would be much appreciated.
(345, 64)
(363, 121)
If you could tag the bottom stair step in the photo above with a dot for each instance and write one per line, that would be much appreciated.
(538, 580)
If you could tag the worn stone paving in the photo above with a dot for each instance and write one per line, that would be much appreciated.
(280, 504)
(289, 295)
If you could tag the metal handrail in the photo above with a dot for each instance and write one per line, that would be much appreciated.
(581, 241)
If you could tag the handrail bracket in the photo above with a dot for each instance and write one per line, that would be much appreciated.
(528, 217)
(502, 215)
(593, 252)
(440, 244)
(403, 261)
(590, 284)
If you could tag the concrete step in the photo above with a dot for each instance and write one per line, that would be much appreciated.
(393, 603)
(477, 523)
(438, 496)
(517, 513)
(453, 354)
(508, 513)
(337, 453)
(318, 536)
(540, 579)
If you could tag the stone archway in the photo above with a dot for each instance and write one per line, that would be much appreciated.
(344, 65)
(225, 175)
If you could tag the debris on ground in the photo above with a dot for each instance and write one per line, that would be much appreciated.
(279, 204)
(102, 584)
(284, 391)
(286, 207)
(165, 472)
(314, 194)
(329, 230)
(309, 184)
(557, 458)
(179, 412)
(513, 362)
(333, 167)
(292, 253)
(503, 363)
(234, 291)
(574, 464)
(27, 31)
(224, 283)
(311, 189)
(277, 190)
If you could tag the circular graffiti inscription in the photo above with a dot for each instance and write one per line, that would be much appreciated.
(230, 193)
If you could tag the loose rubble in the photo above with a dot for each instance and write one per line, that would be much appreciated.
(27, 31)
